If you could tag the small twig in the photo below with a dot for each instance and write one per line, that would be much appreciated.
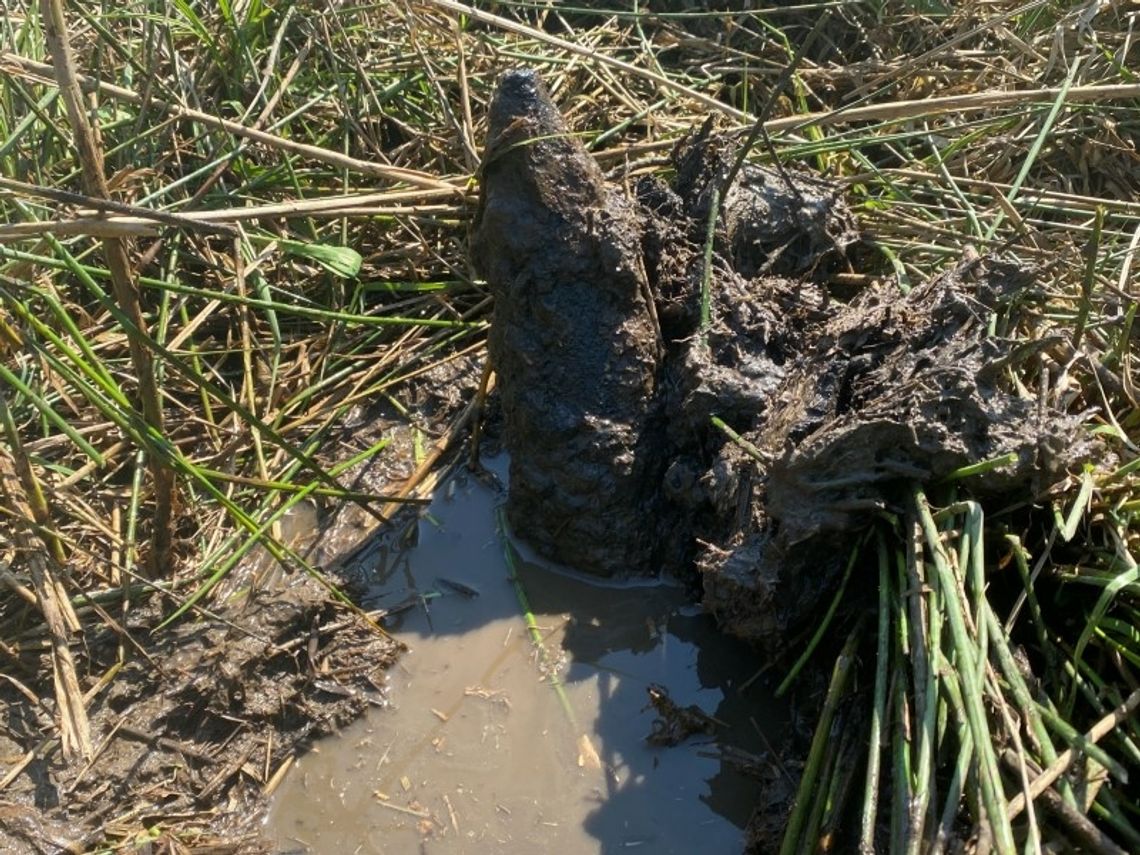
(66, 197)
(451, 813)
(1065, 759)
(421, 814)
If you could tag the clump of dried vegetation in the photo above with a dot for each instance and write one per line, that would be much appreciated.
(233, 234)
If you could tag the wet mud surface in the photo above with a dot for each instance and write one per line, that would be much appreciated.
(619, 407)
(204, 717)
(196, 726)
(479, 752)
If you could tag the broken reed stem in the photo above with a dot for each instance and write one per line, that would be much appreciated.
(122, 279)
(65, 197)
(1065, 759)
(1075, 825)
(1023, 699)
(966, 666)
(74, 727)
(807, 794)
(926, 619)
(533, 629)
(1029, 595)
(901, 755)
(41, 513)
(919, 613)
(477, 414)
(842, 785)
(824, 624)
(972, 570)
(750, 449)
(980, 468)
(824, 791)
(1092, 259)
(706, 275)
(958, 780)
(879, 709)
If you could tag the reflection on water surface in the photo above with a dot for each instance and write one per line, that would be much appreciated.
(480, 753)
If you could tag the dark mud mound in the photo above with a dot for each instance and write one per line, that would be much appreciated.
(773, 221)
(575, 340)
(895, 390)
(758, 415)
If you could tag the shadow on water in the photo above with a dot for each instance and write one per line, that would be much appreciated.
(479, 753)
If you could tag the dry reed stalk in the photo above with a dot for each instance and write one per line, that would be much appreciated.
(144, 225)
(122, 278)
(1076, 826)
(65, 197)
(74, 728)
(96, 227)
(1065, 759)
(15, 64)
(37, 502)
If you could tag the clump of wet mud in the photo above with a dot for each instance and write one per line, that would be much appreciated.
(620, 370)
(675, 723)
(575, 340)
(895, 390)
(205, 716)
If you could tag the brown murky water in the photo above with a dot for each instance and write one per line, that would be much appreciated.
(479, 751)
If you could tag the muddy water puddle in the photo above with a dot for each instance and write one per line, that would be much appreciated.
(480, 752)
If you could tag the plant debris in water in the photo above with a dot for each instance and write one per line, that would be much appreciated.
(675, 723)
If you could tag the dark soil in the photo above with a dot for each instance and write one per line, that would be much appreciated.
(194, 728)
(611, 399)
(201, 717)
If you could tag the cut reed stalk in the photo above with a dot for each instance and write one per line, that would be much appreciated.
(122, 279)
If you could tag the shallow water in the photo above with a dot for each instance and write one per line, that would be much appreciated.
(480, 753)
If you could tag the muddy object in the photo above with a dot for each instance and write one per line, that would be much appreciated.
(574, 340)
(775, 221)
(591, 285)
(613, 400)
(895, 390)
(675, 723)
